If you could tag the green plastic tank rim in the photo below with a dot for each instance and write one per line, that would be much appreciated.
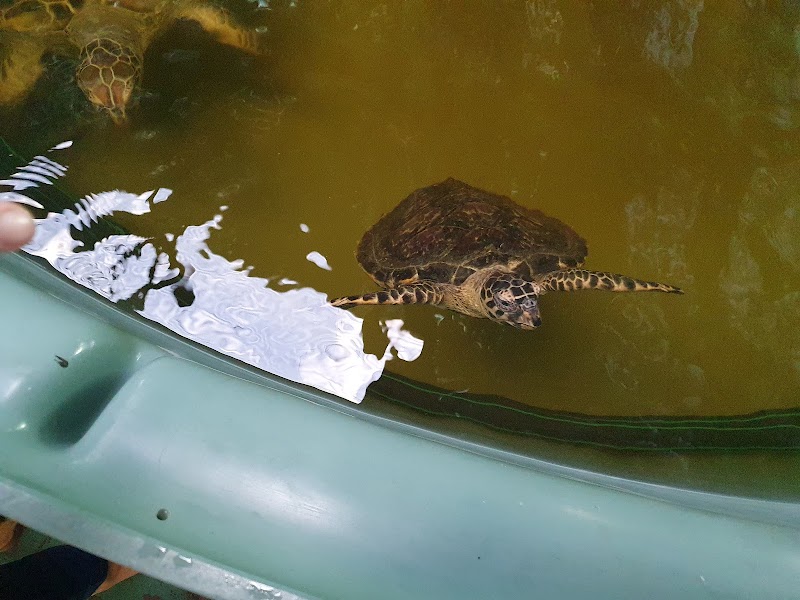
(38, 273)
(63, 522)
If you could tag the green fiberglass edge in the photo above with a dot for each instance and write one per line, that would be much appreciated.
(270, 486)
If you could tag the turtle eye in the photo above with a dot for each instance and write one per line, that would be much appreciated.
(500, 298)
(514, 302)
(505, 300)
(512, 294)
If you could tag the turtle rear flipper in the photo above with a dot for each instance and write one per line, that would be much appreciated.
(579, 279)
(20, 66)
(219, 23)
(36, 16)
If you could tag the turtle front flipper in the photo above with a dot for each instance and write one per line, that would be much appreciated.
(578, 279)
(417, 293)
(218, 22)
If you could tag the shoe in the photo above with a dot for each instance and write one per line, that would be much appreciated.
(10, 532)
(116, 574)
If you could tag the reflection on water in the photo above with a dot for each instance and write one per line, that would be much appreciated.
(670, 42)
(640, 348)
(319, 260)
(763, 257)
(294, 334)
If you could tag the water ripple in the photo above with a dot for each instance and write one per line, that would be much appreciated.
(295, 334)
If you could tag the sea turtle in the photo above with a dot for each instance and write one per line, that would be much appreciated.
(477, 253)
(108, 36)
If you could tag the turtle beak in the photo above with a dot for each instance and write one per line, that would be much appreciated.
(118, 115)
(530, 323)
(530, 318)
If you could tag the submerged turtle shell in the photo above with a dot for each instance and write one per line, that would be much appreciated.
(447, 231)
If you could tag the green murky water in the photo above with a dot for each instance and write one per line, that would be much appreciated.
(667, 133)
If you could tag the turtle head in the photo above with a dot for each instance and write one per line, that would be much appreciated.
(108, 74)
(509, 299)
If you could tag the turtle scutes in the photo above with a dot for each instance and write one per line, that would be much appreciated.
(479, 254)
(109, 37)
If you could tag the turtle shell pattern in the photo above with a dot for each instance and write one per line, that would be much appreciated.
(447, 231)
